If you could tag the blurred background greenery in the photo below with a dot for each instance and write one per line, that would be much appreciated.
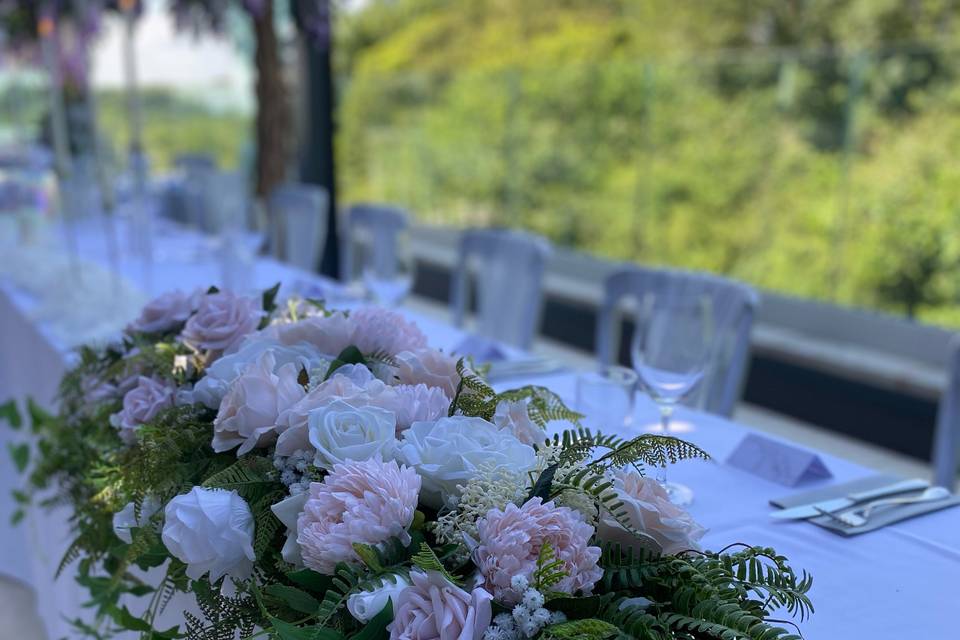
(805, 146)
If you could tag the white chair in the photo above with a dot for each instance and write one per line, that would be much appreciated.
(377, 228)
(298, 224)
(732, 307)
(946, 437)
(188, 162)
(507, 267)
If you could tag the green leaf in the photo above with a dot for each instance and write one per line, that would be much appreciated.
(310, 579)
(350, 355)
(542, 487)
(294, 598)
(9, 411)
(20, 497)
(289, 631)
(376, 627)
(20, 453)
(127, 620)
(17, 517)
(212, 290)
(270, 298)
(368, 555)
(427, 560)
(38, 415)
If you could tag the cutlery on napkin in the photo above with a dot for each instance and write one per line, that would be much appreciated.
(816, 508)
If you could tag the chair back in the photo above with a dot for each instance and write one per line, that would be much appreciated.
(377, 228)
(298, 224)
(188, 162)
(507, 267)
(946, 437)
(732, 304)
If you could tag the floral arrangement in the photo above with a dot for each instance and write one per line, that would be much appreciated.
(306, 473)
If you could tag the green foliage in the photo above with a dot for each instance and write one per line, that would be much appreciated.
(376, 628)
(683, 136)
(583, 629)
(550, 569)
(350, 355)
(427, 560)
(10, 413)
(223, 616)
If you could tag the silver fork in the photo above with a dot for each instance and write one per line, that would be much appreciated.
(859, 516)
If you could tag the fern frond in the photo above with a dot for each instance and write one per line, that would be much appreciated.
(543, 405)
(473, 396)
(550, 569)
(344, 582)
(427, 560)
(649, 449)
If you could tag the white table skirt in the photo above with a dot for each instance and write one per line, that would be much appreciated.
(894, 583)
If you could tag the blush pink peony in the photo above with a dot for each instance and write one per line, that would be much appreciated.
(367, 501)
(328, 334)
(432, 608)
(510, 541)
(381, 330)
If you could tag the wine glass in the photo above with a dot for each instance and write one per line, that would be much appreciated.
(670, 350)
(388, 276)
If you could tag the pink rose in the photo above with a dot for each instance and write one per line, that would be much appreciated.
(368, 501)
(256, 398)
(433, 608)
(430, 367)
(221, 322)
(141, 405)
(166, 312)
(515, 418)
(648, 507)
(510, 542)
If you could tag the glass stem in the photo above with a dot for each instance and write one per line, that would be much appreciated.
(666, 411)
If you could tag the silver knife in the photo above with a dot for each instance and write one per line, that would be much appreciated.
(834, 504)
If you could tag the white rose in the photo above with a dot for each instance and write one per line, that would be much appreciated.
(448, 452)
(514, 417)
(126, 519)
(650, 511)
(288, 511)
(210, 530)
(218, 377)
(339, 431)
(249, 411)
(365, 605)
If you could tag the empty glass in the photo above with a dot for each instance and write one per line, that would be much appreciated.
(670, 349)
(387, 281)
(606, 398)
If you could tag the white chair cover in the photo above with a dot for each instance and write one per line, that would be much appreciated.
(946, 438)
(733, 306)
(507, 267)
(298, 224)
(376, 227)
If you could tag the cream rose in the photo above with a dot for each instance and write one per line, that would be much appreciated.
(339, 432)
(249, 411)
(211, 530)
(650, 512)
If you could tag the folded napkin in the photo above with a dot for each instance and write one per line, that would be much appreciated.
(481, 349)
(878, 519)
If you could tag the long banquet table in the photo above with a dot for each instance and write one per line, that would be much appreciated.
(895, 582)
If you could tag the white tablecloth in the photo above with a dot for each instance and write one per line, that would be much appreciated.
(895, 583)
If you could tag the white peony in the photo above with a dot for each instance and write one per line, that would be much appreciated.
(669, 528)
(339, 432)
(450, 451)
(288, 511)
(249, 411)
(210, 530)
(214, 385)
(365, 605)
(515, 417)
(126, 518)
